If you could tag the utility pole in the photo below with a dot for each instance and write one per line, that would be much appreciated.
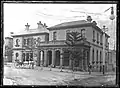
(104, 29)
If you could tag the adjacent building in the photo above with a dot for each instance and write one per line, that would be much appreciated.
(112, 60)
(46, 45)
(7, 52)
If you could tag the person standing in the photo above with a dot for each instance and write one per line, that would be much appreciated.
(90, 68)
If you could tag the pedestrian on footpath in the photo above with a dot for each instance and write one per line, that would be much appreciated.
(89, 68)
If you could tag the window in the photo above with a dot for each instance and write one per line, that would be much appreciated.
(17, 41)
(101, 39)
(24, 42)
(67, 32)
(34, 41)
(28, 41)
(97, 37)
(83, 32)
(54, 35)
(17, 55)
(100, 57)
(106, 43)
(93, 55)
(97, 56)
(106, 58)
(38, 41)
(93, 36)
(31, 56)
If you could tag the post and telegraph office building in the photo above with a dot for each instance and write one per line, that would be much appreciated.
(46, 45)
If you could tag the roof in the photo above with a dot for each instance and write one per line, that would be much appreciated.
(31, 32)
(8, 38)
(69, 24)
(78, 23)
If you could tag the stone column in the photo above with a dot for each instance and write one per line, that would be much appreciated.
(45, 57)
(38, 61)
(25, 56)
(82, 61)
(41, 58)
(61, 58)
(90, 56)
(29, 56)
(70, 63)
(86, 65)
(53, 58)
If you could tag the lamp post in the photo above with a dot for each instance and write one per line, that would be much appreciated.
(112, 17)
(104, 29)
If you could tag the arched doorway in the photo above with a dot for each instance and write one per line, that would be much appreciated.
(27, 56)
(57, 59)
(49, 55)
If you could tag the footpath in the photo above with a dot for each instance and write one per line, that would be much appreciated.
(76, 72)
(67, 70)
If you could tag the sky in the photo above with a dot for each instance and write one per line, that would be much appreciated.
(16, 16)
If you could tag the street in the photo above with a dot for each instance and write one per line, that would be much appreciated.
(36, 76)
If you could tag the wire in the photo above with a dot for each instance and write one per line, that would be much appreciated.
(58, 17)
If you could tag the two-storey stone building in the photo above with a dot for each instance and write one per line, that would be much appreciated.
(47, 48)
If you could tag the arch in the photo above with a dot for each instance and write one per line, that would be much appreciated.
(27, 56)
(57, 59)
(49, 57)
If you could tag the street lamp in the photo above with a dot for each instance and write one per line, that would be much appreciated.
(104, 29)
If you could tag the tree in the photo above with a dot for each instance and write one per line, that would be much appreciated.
(73, 39)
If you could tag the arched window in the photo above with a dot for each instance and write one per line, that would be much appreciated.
(17, 45)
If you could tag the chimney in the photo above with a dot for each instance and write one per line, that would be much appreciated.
(89, 19)
(11, 32)
(45, 25)
(40, 25)
(94, 22)
(27, 27)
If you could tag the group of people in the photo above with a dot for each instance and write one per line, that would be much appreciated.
(30, 63)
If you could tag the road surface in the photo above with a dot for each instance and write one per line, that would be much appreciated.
(22, 76)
